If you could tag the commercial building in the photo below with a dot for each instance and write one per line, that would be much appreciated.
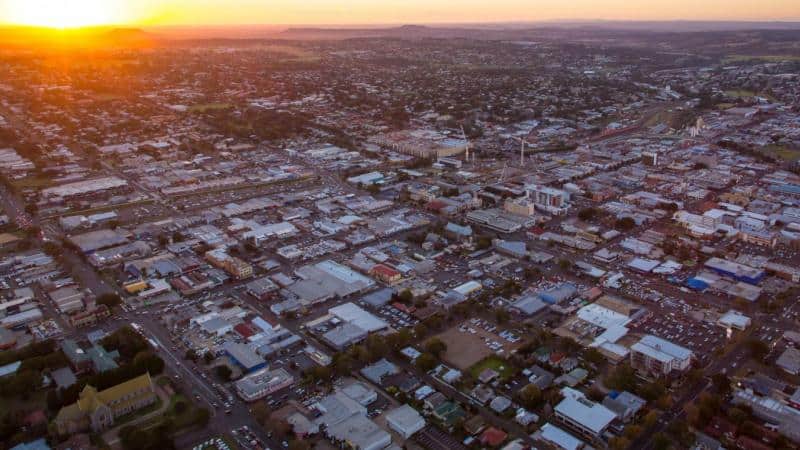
(587, 418)
(550, 200)
(96, 240)
(96, 410)
(405, 420)
(559, 438)
(653, 356)
(738, 272)
(85, 187)
(325, 280)
(232, 265)
(244, 356)
(262, 383)
(345, 421)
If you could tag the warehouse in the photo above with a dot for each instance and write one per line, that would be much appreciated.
(405, 420)
(738, 272)
(96, 240)
(244, 356)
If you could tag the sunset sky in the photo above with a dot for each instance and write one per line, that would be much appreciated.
(68, 13)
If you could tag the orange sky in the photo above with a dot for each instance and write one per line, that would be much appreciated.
(232, 12)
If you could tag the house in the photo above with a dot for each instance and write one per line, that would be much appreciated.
(96, 410)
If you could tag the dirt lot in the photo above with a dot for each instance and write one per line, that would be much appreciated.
(468, 344)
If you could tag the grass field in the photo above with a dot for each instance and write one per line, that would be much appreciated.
(32, 182)
(206, 107)
(765, 58)
(740, 93)
(782, 152)
(498, 364)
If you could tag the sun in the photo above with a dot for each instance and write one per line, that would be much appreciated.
(63, 13)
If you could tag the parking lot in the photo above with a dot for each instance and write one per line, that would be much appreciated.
(701, 337)
(474, 340)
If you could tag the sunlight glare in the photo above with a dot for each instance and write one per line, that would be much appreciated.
(65, 13)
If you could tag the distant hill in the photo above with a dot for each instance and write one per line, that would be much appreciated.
(20, 37)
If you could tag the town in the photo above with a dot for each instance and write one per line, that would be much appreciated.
(410, 238)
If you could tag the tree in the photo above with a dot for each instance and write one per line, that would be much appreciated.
(758, 349)
(180, 407)
(299, 444)
(223, 372)
(109, 299)
(530, 396)
(722, 384)
(625, 224)
(405, 296)
(661, 442)
(208, 357)
(202, 416)
(191, 355)
(587, 214)
(436, 347)
(594, 356)
(623, 378)
(426, 362)
(125, 340)
(420, 330)
(261, 412)
(483, 242)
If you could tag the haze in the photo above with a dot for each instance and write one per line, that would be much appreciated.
(63, 13)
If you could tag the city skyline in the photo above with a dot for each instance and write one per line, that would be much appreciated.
(77, 13)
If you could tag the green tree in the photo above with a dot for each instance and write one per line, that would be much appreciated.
(435, 346)
(426, 362)
(223, 372)
(109, 299)
(625, 224)
(586, 214)
(530, 397)
(758, 349)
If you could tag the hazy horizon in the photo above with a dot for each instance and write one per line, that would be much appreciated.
(211, 13)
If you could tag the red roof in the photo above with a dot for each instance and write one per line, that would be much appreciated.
(436, 205)
(493, 437)
(405, 308)
(385, 271)
(536, 230)
(244, 330)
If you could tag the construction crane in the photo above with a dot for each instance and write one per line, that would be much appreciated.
(503, 174)
(521, 150)
(466, 159)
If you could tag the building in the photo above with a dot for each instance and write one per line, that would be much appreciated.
(262, 383)
(734, 319)
(385, 273)
(232, 265)
(96, 410)
(550, 200)
(559, 438)
(345, 421)
(624, 404)
(522, 206)
(587, 418)
(243, 356)
(653, 356)
(738, 272)
(405, 420)
(789, 361)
